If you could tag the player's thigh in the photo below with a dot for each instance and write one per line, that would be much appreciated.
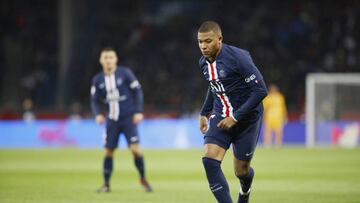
(131, 133)
(112, 134)
(216, 135)
(246, 139)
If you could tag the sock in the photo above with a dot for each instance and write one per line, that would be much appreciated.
(108, 167)
(246, 181)
(217, 181)
(139, 163)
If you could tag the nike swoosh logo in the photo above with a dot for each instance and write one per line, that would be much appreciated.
(248, 154)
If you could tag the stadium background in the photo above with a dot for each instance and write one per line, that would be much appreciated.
(49, 52)
(50, 55)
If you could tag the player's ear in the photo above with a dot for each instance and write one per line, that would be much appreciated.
(220, 38)
(116, 57)
(100, 58)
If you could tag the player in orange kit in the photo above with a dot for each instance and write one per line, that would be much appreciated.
(275, 116)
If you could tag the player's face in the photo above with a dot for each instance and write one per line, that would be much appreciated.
(209, 44)
(273, 89)
(108, 60)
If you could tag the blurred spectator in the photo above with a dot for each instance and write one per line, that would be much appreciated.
(286, 39)
(28, 112)
(75, 111)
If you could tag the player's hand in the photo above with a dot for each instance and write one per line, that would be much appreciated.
(138, 117)
(203, 121)
(100, 119)
(226, 123)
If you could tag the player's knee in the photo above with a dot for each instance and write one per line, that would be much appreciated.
(136, 151)
(209, 154)
(214, 154)
(109, 152)
(240, 173)
(242, 169)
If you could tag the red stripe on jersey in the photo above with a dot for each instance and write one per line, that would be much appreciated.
(212, 75)
(227, 107)
(112, 103)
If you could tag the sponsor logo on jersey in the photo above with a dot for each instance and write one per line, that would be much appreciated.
(114, 95)
(217, 87)
(222, 73)
(119, 81)
(252, 77)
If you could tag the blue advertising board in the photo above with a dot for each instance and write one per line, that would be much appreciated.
(154, 133)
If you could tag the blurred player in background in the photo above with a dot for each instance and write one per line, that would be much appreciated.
(118, 87)
(275, 116)
(234, 106)
(28, 108)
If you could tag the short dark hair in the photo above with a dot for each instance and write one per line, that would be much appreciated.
(108, 48)
(209, 26)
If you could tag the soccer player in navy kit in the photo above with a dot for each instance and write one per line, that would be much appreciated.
(121, 91)
(232, 111)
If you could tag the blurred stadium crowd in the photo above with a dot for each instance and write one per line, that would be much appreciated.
(157, 39)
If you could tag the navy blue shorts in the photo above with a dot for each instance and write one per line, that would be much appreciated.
(243, 136)
(115, 128)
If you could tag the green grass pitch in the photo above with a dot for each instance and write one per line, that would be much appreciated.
(288, 175)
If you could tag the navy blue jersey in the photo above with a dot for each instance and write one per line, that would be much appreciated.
(121, 91)
(236, 85)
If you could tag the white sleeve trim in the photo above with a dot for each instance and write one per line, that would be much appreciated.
(93, 90)
(135, 84)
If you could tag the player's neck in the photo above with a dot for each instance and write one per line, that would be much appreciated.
(210, 59)
(109, 72)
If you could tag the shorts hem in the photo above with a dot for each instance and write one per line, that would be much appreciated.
(213, 141)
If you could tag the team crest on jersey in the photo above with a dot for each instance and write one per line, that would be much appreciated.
(102, 85)
(119, 81)
(222, 73)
